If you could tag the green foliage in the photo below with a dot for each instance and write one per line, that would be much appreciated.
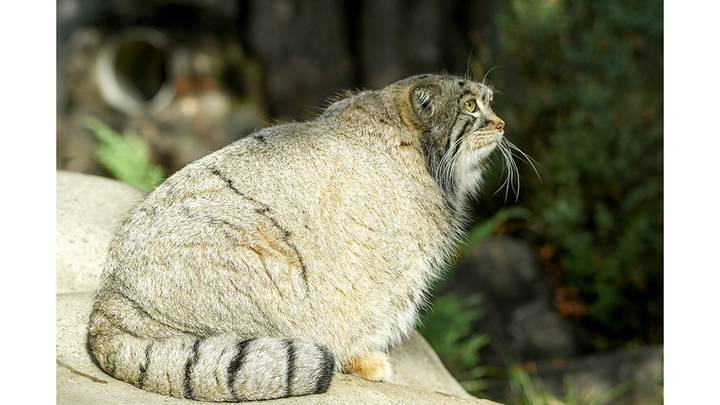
(448, 328)
(582, 93)
(450, 324)
(486, 228)
(525, 391)
(126, 157)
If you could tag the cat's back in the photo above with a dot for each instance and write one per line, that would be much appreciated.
(307, 170)
(330, 183)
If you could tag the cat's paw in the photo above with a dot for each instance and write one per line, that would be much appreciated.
(372, 366)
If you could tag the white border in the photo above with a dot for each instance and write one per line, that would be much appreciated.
(692, 225)
(27, 111)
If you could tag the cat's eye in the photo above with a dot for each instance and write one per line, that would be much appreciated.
(470, 106)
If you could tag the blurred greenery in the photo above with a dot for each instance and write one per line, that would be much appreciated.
(449, 324)
(582, 93)
(126, 157)
(448, 327)
(486, 228)
(582, 90)
(527, 391)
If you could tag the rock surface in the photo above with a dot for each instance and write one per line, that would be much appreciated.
(88, 210)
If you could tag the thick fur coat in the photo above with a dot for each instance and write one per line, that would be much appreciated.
(302, 250)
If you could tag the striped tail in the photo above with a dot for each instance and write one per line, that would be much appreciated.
(216, 368)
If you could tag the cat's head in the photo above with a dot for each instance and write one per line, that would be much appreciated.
(457, 127)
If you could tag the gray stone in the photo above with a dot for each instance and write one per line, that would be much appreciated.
(89, 208)
(536, 328)
(517, 301)
(419, 376)
(506, 270)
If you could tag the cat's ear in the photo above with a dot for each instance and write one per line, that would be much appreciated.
(423, 98)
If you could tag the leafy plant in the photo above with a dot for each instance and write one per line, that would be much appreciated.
(448, 326)
(126, 157)
(449, 330)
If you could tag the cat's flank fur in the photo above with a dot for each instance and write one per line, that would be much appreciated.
(297, 252)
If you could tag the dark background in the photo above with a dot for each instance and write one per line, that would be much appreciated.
(562, 284)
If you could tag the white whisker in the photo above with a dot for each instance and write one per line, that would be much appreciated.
(505, 167)
(467, 68)
(490, 71)
(511, 168)
(530, 161)
(516, 184)
(445, 166)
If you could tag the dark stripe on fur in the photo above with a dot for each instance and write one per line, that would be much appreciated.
(286, 238)
(462, 132)
(265, 212)
(144, 367)
(231, 185)
(187, 383)
(450, 138)
(235, 365)
(327, 367)
(290, 368)
(454, 151)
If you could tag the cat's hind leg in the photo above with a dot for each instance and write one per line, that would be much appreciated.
(372, 366)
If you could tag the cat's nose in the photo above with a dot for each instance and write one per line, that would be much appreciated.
(500, 125)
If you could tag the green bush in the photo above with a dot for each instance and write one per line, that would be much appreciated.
(448, 327)
(582, 92)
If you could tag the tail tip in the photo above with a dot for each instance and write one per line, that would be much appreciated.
(327, 369)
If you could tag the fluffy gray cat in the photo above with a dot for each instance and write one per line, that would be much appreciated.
(300, 251)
